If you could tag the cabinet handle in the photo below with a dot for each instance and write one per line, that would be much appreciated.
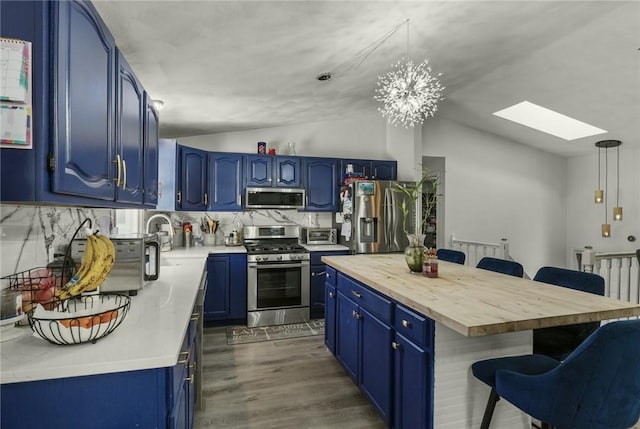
(356, 314)
(206, 199)
(117, 179)
(318, 274)
(406, 324)
(189, 379)
(195, 316)
(356, 294)
(186, 359)
(239, 200)
(124, 174)
(331, 294)
(179, 197)
(269, 180)
(159, 189)
(395, 345)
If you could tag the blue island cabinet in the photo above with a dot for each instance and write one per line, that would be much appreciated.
(363, 341)
(226, 297)
(386, 348)
(318, 281)
(150, 398)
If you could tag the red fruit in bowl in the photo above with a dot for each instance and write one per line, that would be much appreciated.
(45, 295)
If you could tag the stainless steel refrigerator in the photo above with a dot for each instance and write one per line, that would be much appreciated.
(376, 217)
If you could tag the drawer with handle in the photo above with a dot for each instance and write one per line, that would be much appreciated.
(379, 306)
(413, 326)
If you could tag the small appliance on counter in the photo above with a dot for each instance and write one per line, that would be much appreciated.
(137, 262)
(318, 235)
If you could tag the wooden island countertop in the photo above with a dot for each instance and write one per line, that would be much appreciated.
(475, 302)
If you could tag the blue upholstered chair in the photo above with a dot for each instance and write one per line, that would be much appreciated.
(596, 387)
(557, 342)
(503, 266)
(450, 255)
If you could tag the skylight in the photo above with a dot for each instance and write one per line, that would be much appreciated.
(548, 121)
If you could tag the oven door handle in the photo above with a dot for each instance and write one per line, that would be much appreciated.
(273, 266)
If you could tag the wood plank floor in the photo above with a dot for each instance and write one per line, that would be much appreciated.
(292, 383)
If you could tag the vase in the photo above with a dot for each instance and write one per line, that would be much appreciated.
(414, 252)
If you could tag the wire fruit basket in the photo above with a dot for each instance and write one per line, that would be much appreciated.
(79, 320)
(38, 286)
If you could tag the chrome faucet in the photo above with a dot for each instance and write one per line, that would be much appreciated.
(163, 216)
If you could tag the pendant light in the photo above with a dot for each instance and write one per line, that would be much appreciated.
(617, 211)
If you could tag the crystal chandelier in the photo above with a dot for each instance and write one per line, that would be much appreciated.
(409, 93)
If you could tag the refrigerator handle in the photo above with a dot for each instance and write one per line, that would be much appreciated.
(388, 214)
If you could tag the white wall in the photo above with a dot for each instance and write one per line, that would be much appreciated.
(497, 188)
(584, 217)
(362, 137)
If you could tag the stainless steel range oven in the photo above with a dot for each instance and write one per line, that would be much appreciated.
(277, 276)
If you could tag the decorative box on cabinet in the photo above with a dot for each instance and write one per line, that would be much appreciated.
(225, 181)
(226, 298)
(317, 295)
(75, 110)
(321, 183)
(192, 179)
(363, 339)
(273, 171)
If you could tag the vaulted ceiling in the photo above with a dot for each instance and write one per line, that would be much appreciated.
(224, 66)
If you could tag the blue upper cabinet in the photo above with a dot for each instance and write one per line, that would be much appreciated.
(384, 170)
(259, 170)
(321, 182)
(130, 132)
(370, 169)
(192, 187)
(88, 111)
(273, 171)
(225, 181)
(150, 153)
(84, 81)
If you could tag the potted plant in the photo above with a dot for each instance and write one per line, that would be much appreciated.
(413, 192)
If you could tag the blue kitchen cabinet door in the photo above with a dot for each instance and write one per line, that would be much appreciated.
(384, 170)
(84, 94)
(259, 170)
(225, 181)
(316, 291)
(321, 182)
(192, 189)
(376, 362)
(150, 153)
(226, 298)
(217, 302)
(413, 384)
(347, 335)
(330, 317)
(287, 172)
(130, 110)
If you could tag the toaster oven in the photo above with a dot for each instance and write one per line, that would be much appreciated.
(137, 262)
(318, 235)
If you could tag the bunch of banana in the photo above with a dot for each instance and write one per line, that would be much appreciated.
(96, 264)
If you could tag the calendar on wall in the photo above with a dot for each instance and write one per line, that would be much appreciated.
(15, 94)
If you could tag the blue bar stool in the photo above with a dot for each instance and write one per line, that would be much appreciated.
(595, 387)
(503, 266)
(450, 255)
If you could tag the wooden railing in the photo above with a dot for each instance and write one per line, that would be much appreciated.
(476, 250)
(620, 270)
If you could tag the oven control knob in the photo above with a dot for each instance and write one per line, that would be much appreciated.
(258, 258)
(279, 257)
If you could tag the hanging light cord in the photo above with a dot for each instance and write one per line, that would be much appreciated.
(362, 55)
(618, 180)
(599, 174)
(606, 179)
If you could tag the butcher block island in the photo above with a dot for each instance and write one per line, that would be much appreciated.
(408, 341)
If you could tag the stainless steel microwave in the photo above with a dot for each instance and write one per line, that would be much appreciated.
(275, 198)
(319, 235)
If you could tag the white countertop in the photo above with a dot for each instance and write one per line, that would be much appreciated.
(200, 251)
(149, 337)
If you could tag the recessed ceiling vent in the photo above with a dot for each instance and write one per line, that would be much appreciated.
(322, 77)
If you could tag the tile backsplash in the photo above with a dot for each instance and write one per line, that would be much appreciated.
(31, 236)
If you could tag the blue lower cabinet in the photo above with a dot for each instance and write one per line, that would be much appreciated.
(150, 398)
(413, 379)
(363, 347)
(386, 349)
(226, 298)
(317, 294)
